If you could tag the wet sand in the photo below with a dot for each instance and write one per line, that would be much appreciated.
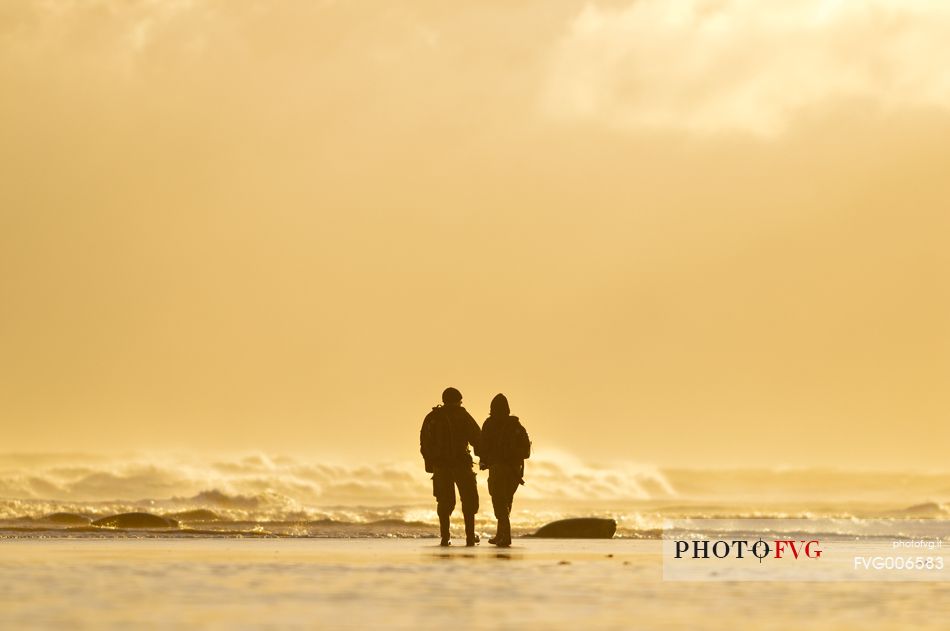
(349, 583)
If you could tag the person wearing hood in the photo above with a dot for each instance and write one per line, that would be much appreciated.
(503, 449)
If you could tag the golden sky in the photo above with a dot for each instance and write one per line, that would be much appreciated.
(676, 232)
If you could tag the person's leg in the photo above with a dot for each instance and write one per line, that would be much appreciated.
(468, 491)
(500, 504)
(445, 533)
(509, 500)
(495, 497)
(499, 485)
(443, 488)
(470, 539)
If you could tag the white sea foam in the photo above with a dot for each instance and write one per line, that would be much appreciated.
(261, 494)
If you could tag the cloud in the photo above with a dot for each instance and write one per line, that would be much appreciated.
(713, 66)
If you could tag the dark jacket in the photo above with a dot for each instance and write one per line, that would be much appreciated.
(504, 441)
(445, 436)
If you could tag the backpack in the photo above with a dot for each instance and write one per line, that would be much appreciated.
(431, 439)
(515, 443)
(522, 443)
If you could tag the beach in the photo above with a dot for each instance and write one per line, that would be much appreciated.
(281, 543)
(225, 583)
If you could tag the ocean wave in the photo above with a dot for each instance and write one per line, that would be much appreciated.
(293, 497)
(933, 510)
(254, 481)
(204, 523)
(101, 521)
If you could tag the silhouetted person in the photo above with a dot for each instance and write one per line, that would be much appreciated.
(503, 449)
(446, 433)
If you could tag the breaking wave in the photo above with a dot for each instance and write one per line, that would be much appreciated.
(259, 495)
(258, 481)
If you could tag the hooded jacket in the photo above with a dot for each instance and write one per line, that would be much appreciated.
(504, 440)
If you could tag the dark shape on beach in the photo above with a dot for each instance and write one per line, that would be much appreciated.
(578, 528)
(136, 520)
(447, 431)
(199, 514)
(66, 519)
(503, 449)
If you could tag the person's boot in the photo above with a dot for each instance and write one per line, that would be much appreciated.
(503, 538)
(470, 538)
(444, 530)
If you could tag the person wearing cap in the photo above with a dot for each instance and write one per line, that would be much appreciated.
(503, 449)
(444, 440)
